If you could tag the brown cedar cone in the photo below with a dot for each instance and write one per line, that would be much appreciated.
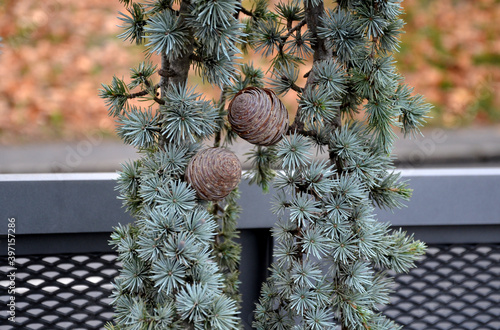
(214, 173)
(258, 116)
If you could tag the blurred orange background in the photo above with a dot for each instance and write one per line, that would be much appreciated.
(56, 54)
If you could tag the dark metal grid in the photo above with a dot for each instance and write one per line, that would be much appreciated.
(60, 292)
(454, 287)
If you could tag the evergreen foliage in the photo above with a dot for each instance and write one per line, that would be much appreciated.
(331, 257)
(180, 259)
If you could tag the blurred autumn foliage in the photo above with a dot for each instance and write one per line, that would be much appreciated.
(451, 54)
(55, 56)
(57, 53)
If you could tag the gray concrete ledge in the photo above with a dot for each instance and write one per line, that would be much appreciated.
(438, 147)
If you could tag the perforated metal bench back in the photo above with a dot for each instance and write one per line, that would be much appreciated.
(454, 287)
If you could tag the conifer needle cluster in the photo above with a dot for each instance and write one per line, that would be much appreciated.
(331, 168)
(331, 255)
(180, 259)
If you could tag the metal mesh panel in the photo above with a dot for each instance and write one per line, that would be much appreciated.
(60, 292)
(454, 287)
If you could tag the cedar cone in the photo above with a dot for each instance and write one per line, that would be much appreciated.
(213, 173)
(258, 116)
